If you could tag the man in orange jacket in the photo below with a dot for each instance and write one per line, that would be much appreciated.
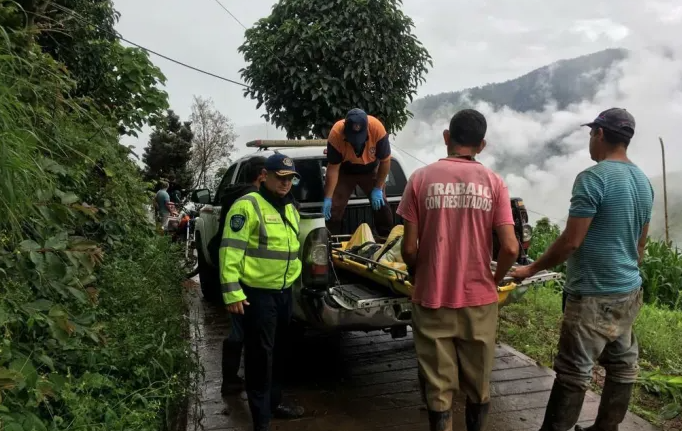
(358, 154)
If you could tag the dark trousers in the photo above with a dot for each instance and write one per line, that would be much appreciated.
(232, 348)
(383, 219)
(266, 321)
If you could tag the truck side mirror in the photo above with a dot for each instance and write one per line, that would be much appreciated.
(201, 196)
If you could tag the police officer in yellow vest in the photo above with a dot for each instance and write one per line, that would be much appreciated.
(259, 263)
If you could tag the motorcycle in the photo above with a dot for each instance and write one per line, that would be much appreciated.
(181, 230)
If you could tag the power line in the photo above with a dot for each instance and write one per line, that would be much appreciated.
(527, 209)
(185, 65)
(545, 215)
(245, 28)
(414, 157)
(118, 36)
(231, 14)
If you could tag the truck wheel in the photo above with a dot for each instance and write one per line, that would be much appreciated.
(208, 276)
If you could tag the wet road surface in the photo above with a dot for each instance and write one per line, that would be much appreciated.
(364, 382)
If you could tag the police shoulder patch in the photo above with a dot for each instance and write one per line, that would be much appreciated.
(237, 222)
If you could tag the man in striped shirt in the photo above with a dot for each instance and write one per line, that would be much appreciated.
(603, 242)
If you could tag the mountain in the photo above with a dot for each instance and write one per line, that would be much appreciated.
(565, 82)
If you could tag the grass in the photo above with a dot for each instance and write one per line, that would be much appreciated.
(532, 326)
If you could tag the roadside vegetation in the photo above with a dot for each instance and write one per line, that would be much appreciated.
(532, 326)
(94, 330)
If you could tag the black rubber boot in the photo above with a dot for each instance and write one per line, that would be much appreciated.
(613, 406)
(232, 356)
(563, 408)
(476, 415)
(288, 412)
(440, 421)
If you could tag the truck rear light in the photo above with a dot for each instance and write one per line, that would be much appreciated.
(315, 259)
(527, 233)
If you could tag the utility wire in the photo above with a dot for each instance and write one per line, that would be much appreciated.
(245, 28)
(527, 209)
(231, 14)
(118, 36)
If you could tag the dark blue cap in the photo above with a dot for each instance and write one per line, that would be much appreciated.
(617, 120)
(355, 127)
(281, 165)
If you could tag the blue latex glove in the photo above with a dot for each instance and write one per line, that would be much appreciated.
(327, 208)
(377, 198)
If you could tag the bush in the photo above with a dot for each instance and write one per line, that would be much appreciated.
(91, 313)
(662, 274)
(661, 267)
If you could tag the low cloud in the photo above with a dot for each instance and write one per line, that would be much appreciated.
(540, 153)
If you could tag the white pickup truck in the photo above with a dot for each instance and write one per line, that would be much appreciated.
(321, 294)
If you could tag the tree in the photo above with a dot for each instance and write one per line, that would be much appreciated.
(217, 178)
(121, 82)
(311, 61)
(169, 151)
(213, 141)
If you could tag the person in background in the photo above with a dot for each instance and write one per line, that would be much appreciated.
(233, 344)
(174, 190)
(450, 209)
(259, 263)
(603, 244)
(358, 153)
(163, 203)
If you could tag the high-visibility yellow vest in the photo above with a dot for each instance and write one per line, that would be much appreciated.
(258, 248)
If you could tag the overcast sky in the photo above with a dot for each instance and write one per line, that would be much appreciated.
(472, 43)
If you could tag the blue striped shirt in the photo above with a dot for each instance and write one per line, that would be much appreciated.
(619, 197)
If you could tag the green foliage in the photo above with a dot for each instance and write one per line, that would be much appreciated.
(169, 151)
(91, 314)
(533, 324)
(121, 82)
(661, 267)
(658, 326)
(662, 274)
(544, 234)
(311, 61)
(667, 386)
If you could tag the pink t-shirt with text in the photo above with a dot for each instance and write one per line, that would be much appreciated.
(456, 204)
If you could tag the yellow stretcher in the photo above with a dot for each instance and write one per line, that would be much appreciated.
(384, 265)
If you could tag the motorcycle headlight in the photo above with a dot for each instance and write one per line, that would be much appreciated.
(527, 233)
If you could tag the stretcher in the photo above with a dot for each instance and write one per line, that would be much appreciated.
(383, 265)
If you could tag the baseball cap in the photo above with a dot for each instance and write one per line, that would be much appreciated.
(617, 120)
(281, 165)
(355, 127)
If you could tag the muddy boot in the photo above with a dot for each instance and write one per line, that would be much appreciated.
(612, 408)
(232, 356)
(563, 408)
(476, 415)
(440, 421)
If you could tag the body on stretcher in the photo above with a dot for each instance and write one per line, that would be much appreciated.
(383, 264)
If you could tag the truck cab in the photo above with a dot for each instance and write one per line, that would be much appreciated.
(325, 298)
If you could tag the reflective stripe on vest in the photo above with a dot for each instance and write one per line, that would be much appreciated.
(260, 266)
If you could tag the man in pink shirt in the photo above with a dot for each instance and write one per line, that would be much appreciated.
(450, 209)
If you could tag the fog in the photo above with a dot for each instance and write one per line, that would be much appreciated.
(540, 153)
